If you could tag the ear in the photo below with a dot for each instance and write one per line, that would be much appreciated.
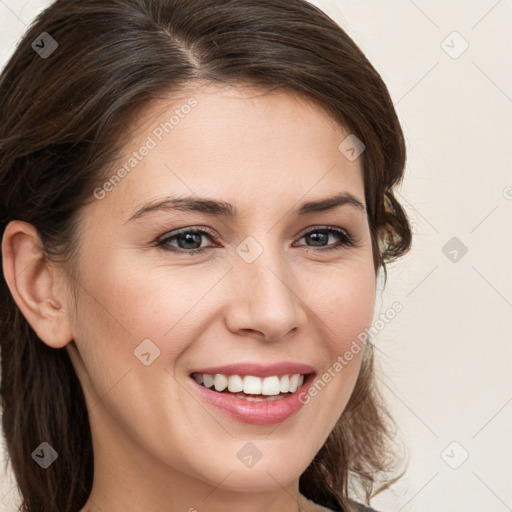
(33, 284)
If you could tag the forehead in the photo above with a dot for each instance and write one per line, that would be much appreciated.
(237, 142)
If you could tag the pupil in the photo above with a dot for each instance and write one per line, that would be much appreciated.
(189, 238)
(319, 236)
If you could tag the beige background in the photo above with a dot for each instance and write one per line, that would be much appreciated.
(444, 360)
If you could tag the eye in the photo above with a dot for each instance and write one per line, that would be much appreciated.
(189, 239)
(320, 235)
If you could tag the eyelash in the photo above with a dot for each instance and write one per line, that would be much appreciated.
(347, 240)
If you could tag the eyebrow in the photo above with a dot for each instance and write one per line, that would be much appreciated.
(224, 209)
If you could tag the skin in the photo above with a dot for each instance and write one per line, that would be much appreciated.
(157, 446)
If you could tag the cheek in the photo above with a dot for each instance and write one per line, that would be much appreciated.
(124, 303)
(343, 302)
(343, 298)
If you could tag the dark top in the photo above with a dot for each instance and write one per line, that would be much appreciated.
(330, 506)
(362, 508)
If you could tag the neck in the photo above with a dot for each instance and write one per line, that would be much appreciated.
(129, 479)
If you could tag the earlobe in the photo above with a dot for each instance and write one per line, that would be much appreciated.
(32, 282)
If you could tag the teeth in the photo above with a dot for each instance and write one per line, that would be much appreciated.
(271, 386)
(207, 380)
(285, 384)
(220, 382)
(294, 382)
(235, 383)
(250, 384)
(259, 398)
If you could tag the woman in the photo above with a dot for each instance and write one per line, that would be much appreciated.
(197, 198)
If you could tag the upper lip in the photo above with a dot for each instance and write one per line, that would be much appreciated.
(258, 370)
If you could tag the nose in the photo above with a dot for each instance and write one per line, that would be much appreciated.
(264, 298)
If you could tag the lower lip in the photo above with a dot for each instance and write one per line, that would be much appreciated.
(255, 413)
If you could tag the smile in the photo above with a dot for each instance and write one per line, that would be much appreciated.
(273, 385)
(254, 400)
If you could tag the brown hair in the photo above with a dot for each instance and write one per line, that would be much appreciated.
(62, 117)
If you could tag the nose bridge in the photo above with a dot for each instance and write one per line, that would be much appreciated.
(266, 300)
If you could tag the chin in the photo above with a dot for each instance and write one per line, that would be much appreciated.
(266, 474)
(257, 481)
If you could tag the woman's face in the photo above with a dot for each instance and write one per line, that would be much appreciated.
(271, 286)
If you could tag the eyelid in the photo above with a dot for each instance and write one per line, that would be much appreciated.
(323, 227)
(188, 229)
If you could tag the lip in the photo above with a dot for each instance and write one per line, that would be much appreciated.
(254, 413)
(257, 370)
